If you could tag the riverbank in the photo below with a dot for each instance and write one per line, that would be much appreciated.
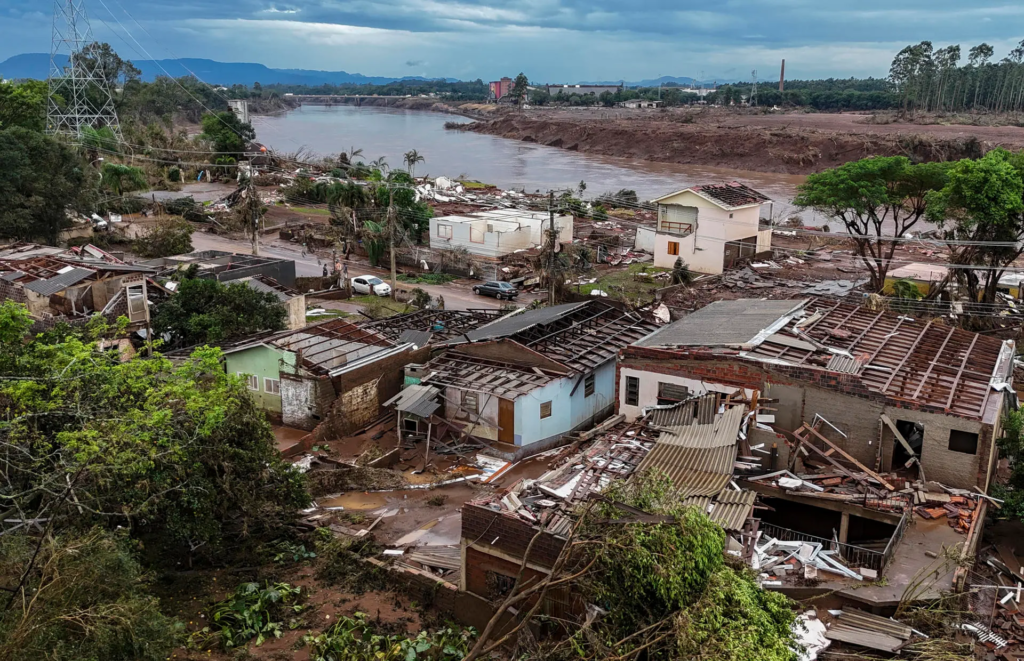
(785, 143)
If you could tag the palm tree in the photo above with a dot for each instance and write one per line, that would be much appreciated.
(121, 179)
(353, 154)
(412, 157)
(380, 164)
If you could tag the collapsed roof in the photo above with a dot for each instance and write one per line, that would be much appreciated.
(908, 361)
(729, 196)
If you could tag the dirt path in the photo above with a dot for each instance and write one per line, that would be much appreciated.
(792, 143)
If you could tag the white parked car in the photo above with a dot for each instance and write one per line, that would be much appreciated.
(371, 284)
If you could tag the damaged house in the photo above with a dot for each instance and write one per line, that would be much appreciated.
(695, 443)
(873, 443)
(338, 371)
(72, 286)
(226, 266)
(494, 234)
(711, 227)
(523, 382)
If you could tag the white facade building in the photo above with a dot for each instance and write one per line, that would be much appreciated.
(494, 234)
(710, 227)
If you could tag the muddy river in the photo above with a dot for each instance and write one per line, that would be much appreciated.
(498, 161)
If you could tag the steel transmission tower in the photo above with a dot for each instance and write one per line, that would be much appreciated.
(80, 84)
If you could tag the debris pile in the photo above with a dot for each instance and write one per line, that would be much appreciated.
(777, 559)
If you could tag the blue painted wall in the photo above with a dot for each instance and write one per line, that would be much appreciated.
(568, 410)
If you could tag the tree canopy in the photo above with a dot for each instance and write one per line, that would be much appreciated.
(204, 311)
(876, 199)
(41, 180)
(226, 133)
(23, 105)
(983, 201)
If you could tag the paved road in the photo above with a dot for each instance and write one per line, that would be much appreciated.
(456, 297)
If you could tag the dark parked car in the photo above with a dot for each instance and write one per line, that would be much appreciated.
(499, 290)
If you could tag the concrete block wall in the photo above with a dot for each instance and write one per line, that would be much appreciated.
(841, 398)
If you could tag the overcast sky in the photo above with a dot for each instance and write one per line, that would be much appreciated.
(549, 40)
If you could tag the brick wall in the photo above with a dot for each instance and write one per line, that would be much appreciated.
(485, 527)
(10, 291)
(364, 390)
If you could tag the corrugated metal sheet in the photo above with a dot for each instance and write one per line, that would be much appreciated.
(867, 630)
(520, 322)
(730, 509)
(416, 400)
(263, 287)
(699, 410)
(11, 276)
(59, 282)
(844, 364)
(419, 338)
(698, 458)
(722, 323)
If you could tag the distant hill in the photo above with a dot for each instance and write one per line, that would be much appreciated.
(37, 65)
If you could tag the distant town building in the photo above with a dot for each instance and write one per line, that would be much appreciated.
(501, 88)
(241, 109)
(583, 90)
(494, 234)
(640, 103)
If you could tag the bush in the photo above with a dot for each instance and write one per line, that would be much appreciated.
(167, 238)
(187, 208)
(254, 612)
(354, 639)
(85, 598)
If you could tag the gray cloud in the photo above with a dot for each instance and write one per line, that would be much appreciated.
(555, 40)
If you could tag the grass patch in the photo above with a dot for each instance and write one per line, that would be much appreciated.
(633, 281)
(427, 279)
(312, 211)
(327, 315)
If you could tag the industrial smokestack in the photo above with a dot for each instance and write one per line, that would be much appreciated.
(782, 76)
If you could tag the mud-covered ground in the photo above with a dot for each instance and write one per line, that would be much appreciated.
(792, 143)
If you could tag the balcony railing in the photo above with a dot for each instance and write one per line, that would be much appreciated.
(855, 556)
(673, 227)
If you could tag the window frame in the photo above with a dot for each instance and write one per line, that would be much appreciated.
(271, 386)
(589, 385)
(632, 397)
(447, 234)
(548, 405)
(249, 379)
(673, 248)
(468, 396)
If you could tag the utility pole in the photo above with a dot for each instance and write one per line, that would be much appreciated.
(782, 77)
(753, 91)
(392, 228)
(551, 262)
(254, 207)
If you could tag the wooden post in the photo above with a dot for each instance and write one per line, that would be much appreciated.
(844, 527)
(426, 455)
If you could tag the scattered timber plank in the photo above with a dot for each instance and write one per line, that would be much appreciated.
(881, 480)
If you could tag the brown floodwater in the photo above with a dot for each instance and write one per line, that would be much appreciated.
(498, 161)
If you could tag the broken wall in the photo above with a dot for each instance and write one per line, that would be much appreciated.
(845, 402)
(305, 400)
(362, 391)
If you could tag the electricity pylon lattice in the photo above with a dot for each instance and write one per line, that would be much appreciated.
(79, 94)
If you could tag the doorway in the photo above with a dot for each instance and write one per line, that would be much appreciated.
(913, 433)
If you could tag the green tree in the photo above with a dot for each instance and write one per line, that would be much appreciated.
(23, 105)
(871, 196)
(120, 179)
(226, 133)
(180, 456)
(203, 311)
(41, 180)
(983, 205)
(167, 238)
(681, 275)
(520, 86)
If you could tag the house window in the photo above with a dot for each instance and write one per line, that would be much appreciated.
(673, 247)
(588, 386)
(251, 381)
(444, 231)
(963, 441)
(469, 402)
(476, 235)
(499, 585)
(670, 393)
(730, 215)
(632, 391)
(545, 410)
(272, 386)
